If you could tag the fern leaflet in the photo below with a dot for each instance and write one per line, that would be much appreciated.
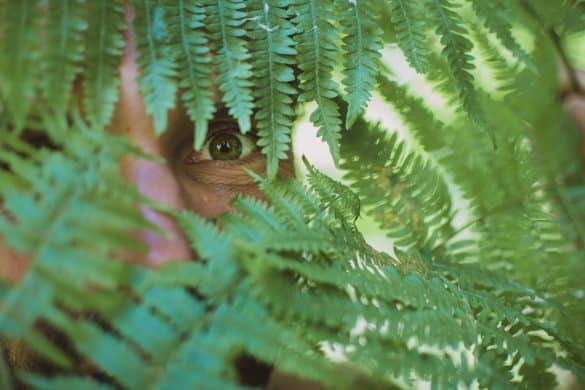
(420, 198)
(493, 15)
(104, 45)
(18, 58)
(190, 46)
(273, 53)
(156, 62)
(456, 48)
(362, 44)
(409, 32)
(316, 60)
(63, 51)
(231, 56)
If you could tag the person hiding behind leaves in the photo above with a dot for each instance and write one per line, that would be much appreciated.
(203, 181)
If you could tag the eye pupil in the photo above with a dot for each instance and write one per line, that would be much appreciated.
(225, 147)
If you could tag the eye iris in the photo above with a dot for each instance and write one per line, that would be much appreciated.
(225, 147)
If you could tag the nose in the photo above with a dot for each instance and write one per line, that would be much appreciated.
(155, 180)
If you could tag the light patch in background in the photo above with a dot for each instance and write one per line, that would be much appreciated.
(399, 70)
(307, 144)
(576, 49)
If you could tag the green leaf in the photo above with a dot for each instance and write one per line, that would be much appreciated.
(406, 195)
(19, 54)
(409, 25)
(494, 17)
(316, 59)
(63, 53)
(456, 48)
(272, 52)
(189, 45)
(362, 45)
(226, 26)
(104, 43)
(156, 62)
(333, 194)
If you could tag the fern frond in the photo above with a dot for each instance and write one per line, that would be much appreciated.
(190, 46)
(291, 208)
(287, 278)
(272, 52)
(211, 244)
(317, 52)
(430, 132)
(399, 326)
(502, 73)
(226, 26)
(457, 48)
(344, 202)
(104, 44)
(203, 352)
(297, 208)
(420, 197)
(63, 54)
(57, 188)
(362, 45)
(409, 26)
(260, 212)
(293, 353)
(156, 62)
(494, 15)
(19, 54)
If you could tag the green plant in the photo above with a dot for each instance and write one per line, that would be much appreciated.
(495, 300)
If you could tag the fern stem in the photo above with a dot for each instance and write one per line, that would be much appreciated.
(558, 45)
(575, 85)
(317, 67)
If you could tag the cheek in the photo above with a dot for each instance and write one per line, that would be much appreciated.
(209, 191)
(212, 200)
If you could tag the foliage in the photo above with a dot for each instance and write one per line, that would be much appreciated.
(482, 285)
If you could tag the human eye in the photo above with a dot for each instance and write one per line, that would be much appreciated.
(224, 143)
(227, 146)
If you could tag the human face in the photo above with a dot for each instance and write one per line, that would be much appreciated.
(200, 181)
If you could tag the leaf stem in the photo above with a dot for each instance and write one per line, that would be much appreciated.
(575, 85)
